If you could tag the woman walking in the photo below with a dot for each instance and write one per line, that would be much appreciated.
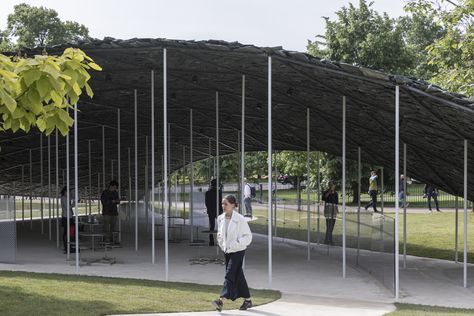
(233, 236)
(330, 199)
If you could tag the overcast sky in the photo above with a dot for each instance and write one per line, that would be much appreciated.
(287, 23)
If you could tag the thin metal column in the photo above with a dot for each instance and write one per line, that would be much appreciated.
(165, 150)
(153, 167)
(191, 193)
(57, 188)
(76, 189)
(31, 191)
(308, 141)
(41, 184)
(68, 203)
(343, 186)
(23, 194)
(90, 174)
(397, 187)
(456, 229)
(217, 154)
(119, 175)
(98, 192)
(382, 189)
(270, 200)
(319, 198)
(359, 176)
(146, 198)
(242, 146)
(405, 195)
(465, 217)
(49, 188)
(103, 157)
(136, 168)
(129, 190)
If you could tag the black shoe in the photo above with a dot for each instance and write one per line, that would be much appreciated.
(439, 211)
(246, 305)
(375, 211)
(218, 305)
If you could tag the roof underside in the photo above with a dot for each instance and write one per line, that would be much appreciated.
(433, 123)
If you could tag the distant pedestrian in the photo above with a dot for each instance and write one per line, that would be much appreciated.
(330, 198)
(430, 191)
(248, 199)
(233, 236)
(212, 203)
(373, 190)
(401, 191)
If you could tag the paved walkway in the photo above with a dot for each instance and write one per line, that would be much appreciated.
(314, 287)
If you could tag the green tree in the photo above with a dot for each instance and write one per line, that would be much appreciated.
(362, 36)
(453, 53)
(35, 92)
(41, 27)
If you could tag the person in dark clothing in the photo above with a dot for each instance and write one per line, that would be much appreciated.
(430, 191)
(212, 202)
(110, 199)
(331, 199)
(64, 216)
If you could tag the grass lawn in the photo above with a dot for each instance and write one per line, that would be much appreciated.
(428, 235)
(419, 310)
(24, 293)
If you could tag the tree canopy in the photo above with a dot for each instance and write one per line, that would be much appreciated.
(39, 27)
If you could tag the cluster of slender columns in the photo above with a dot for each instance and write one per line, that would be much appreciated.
(241, 150)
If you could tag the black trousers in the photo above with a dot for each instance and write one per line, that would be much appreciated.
(212, 226)
(64, 224)
(235, 285)
(330, 223)
(435, 198)
(373, 200)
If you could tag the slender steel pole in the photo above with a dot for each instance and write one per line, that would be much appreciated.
(57, 187)
(103, 157)
(308, 141)
(319, 197)
(217, 154)
(49, 188)
(153, 167)
(23, 194)
(270, 200)
(165, 150)
(98, 192)
(68, 198)
(146, 182)
(129, 189)
(405, 196)
(465, 217)
(242, 147)
(343, 186)
(382, 189)
(119, 174)
(359, 176)
(397, 187)
(31, 190)
(76, 188)
(456, 228)
(41, 184)
(136, 168)
(191, 160)
(90, 174)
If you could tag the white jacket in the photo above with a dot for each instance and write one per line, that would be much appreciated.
(238, 235)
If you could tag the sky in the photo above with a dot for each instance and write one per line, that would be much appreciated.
(287, 23)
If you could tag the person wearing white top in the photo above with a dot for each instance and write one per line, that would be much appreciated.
(233, 236)
(247, 199)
